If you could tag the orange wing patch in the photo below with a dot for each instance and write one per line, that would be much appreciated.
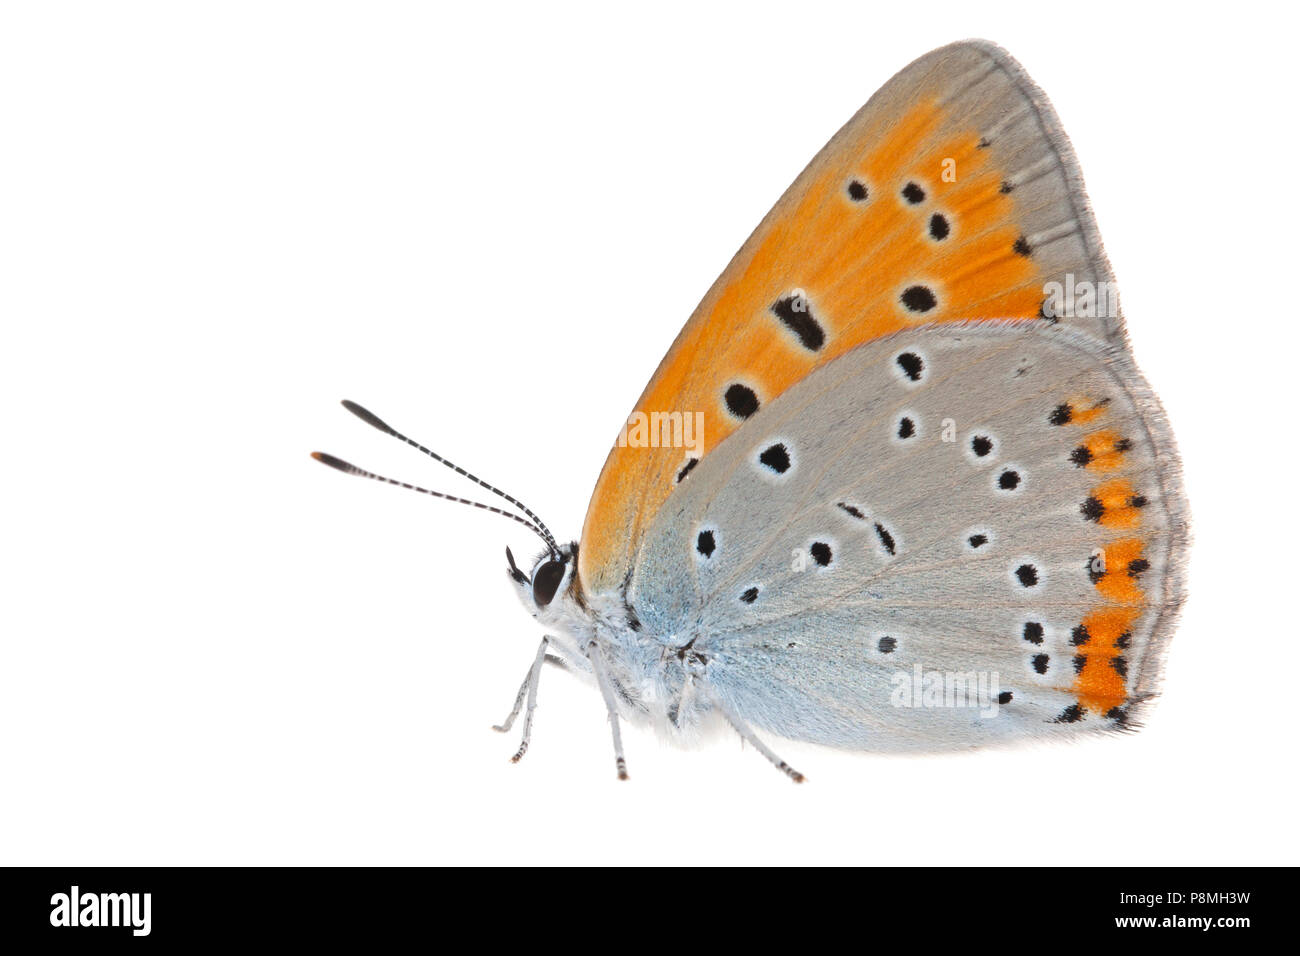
(942, 200)
(1115, 569)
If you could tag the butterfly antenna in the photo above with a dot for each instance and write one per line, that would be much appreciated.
(350, 469)
(373, 420)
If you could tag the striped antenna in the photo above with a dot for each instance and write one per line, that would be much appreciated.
(373, 420)
(350, 469)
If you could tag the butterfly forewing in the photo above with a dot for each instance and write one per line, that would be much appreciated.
(952, 195)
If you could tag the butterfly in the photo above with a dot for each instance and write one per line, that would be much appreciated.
(938, 506)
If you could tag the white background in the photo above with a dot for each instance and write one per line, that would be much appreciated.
(488, 224)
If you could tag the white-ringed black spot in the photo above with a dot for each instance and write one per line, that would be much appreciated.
(977, 540)
(913, 193)
(741, 400)
(939, 227)
(821, 553)
(686, 468)
(853, 510)
(750, 595)
(1027, 575)
(1040, 662)
(775, 457)
(886, 539)
(1070, 715)
(918, 298)
(981, 445)
(911, 364)
(706, 543)
(857, 191)
(795, 313)
(906, 427)
(1004, 698)
(1009, 480)
(886, 645)
(1033, 632)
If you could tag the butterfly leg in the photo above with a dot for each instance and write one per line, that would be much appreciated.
(748, 735)
(529, 689)
(607, 691)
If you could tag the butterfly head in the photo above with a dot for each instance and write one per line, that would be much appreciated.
(550, 585)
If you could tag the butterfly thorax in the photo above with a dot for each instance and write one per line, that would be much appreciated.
(653, 677)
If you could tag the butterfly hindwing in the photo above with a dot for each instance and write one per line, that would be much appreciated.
(952, 195)
(994, 499)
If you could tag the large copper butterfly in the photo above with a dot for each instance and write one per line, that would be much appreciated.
(938, 506)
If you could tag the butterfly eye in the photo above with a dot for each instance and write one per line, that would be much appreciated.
(546, 580)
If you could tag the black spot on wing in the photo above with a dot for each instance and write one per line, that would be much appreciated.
(741, 400)
(918, 298)
(776, 457)
(796, 314)
(706, 544)
(886, 539)
(911, 364)
(1071, 714)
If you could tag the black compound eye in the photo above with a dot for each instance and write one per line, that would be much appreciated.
(546, 581)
